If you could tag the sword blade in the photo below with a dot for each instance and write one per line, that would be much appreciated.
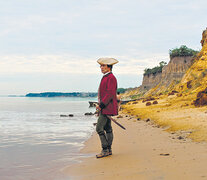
(116, 122)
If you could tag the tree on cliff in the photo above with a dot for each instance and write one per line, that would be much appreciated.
(182, 51)
(155, 70)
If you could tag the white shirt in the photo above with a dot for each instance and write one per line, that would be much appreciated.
(107, 73)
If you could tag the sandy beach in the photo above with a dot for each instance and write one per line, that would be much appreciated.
(149, 149)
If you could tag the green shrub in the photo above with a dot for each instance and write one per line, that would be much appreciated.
(182, 51)
(155, 70)
(122, 90)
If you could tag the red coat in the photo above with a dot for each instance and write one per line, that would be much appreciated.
(107, 95)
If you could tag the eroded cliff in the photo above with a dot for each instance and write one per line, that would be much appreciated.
(185, 74)
(195, 79)
(171, 74)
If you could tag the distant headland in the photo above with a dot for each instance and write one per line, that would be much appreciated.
(71, 94)
(60, 94)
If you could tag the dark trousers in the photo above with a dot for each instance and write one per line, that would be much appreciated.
(104, 129)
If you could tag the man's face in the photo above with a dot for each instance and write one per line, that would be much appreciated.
(104, 68)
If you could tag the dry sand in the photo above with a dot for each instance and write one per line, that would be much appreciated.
(143, 151)
(175, 114)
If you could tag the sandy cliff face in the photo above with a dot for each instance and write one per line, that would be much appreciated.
(176, 68)
(186, 75)
(150, 81)
(171, 74)
(204, 38)
(195, 79)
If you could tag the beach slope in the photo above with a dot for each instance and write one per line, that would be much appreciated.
(143, 151)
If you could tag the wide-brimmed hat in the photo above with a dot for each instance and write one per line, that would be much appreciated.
(107, 61)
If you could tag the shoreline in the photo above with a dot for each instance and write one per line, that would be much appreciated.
(143, 151)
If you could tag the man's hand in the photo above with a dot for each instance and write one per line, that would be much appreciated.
(98, 108)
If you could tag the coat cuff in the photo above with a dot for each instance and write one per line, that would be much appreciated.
(102, 105)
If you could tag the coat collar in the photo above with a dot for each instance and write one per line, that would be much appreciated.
(105, 75)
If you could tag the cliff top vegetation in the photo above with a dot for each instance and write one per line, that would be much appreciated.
(155, 70)
(182, 51)
(177, 52)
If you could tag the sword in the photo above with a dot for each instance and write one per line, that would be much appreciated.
(116, 122)
(112, 119)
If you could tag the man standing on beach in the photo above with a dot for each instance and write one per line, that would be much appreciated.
(107, 105)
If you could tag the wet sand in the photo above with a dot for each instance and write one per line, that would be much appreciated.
(143, 151)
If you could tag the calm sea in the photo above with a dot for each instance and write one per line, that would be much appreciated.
(35, 142)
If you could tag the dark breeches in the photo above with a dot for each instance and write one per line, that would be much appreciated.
(104, 129)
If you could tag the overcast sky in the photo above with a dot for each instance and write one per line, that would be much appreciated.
(50, 45)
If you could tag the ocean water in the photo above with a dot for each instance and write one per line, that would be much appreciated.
(35, 142)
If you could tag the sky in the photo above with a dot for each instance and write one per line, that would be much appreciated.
(50, 45)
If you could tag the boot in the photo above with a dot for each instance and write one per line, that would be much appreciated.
(109, 136)
(103, 153)
(109, 151)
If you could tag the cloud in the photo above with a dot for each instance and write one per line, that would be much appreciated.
(112, 27)
(61, 38)
(71, 64)
(12, 24)
(45, 64)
